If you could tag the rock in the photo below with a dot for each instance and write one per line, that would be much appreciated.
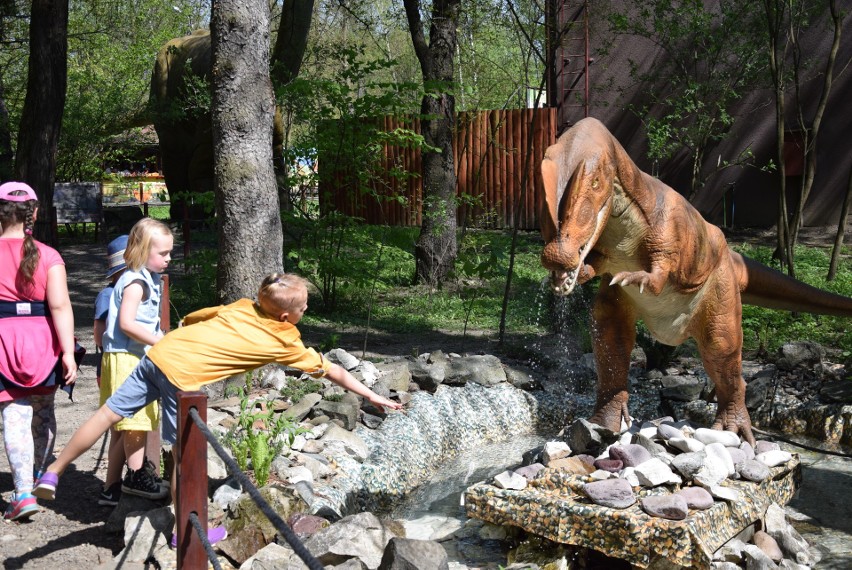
(529, 472)
(572, 465)
(371, 421)
(352, 442)
(731, 551)
(755, 559)
(521, 377)
(510, 480)
(747, 449)
(586, 437)
(696, 497)
(800, 353)
(630, 455)
(246, 517)
(300, 409)
(269, 557)
(768, 545)
(408, 554)
(227, 494)
(753, 470)
(720, 492)
(681, 388)
(666, 431)
(343, 358)
(837, 391)
(645, 441)
(345, 411)
(613, 493)
(686, 444)
(757, 392)
(654, 472)
(145, 533)
(361, 536)
(738, 456)
(774, 458)
(721, 453)
(611, 465)
(672, 507)
(708, 436)
(482, 369)
(305, 525)
(428, 375)
(762, 446)
(555, 450)
(394, 375)
(689, 464)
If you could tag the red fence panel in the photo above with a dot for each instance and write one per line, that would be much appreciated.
(490, 157)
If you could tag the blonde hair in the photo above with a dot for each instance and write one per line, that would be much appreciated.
(282, 292)
(139, 241)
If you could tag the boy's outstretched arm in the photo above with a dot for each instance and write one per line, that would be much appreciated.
(344, 379)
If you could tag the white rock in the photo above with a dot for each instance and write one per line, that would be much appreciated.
(555, 450)
(687, 445)
(774, 458)
(298, 473)
(720, 492)
(721, 452)
(726, 438)
(601, 475)
(510, 480)
(654, 472)
(649, 432)
(629, 473)
(298, 443)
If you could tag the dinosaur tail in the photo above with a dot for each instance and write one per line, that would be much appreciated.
(765, 287)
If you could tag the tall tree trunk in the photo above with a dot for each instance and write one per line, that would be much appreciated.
(41, 117)
(841, 230)
(436, 248)
(243, 107)
(811, 137)
(292, 39)
(7, 158)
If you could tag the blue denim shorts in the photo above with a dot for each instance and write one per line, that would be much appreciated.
(144, 385)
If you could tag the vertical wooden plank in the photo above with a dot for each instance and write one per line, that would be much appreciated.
(191, 472)
(165, 316)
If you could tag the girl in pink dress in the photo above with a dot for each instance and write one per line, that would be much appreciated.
(36, 343)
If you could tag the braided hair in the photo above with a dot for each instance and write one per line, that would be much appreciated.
(22, 212)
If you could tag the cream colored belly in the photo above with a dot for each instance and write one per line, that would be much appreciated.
(667, 315)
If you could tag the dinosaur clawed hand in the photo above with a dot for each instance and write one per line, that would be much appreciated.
(641, 278)
(734, 417)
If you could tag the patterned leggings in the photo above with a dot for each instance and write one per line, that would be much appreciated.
(29, 432)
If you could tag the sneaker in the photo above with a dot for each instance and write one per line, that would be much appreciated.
(149, 466)
(110, 496)
(46, 486)
(214, 535)
(142, 484)
(21, 507)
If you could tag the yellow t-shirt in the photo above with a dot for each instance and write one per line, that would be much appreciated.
(218, 342)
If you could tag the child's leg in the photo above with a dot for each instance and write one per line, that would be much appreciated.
(18, 438)
(115, 457)
(153, 448)
(84, 438)
(134, 448)
(44, 430)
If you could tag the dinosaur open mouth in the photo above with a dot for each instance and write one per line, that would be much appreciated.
(564, 282)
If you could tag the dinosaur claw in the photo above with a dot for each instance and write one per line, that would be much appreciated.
(641, 288)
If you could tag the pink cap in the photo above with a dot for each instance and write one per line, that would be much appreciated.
(7, 189)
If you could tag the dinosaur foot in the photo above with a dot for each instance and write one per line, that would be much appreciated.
(610, 414)
(734, 417)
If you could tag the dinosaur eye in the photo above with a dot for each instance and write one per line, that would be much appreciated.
(595, 183)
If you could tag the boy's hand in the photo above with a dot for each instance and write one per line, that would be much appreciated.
(381, 402)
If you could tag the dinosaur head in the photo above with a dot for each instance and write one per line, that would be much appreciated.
(578, 201)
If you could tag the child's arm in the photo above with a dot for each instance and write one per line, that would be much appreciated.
(344, 379)
(98, 330)
(131, 297)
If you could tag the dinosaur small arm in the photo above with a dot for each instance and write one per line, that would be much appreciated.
(659, 261)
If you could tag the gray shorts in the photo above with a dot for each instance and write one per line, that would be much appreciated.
(144, 385)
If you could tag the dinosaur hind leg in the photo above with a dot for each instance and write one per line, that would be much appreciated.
(720, 342)
(613, 335)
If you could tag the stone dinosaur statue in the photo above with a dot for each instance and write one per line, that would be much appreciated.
(659, 261)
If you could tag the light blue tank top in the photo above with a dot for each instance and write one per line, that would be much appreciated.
(148, 314)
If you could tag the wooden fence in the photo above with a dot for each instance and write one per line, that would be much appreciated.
(490, 149)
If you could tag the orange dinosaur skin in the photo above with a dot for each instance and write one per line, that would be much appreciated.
(659, 261)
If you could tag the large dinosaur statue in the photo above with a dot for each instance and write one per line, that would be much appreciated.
(659, 261)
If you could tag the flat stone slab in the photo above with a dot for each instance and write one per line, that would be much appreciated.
(555, 506)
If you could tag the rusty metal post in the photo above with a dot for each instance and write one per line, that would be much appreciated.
(165, 315)
(191, 481)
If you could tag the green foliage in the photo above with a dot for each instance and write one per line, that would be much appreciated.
(296, 389)
(768, 329)
(260, 444)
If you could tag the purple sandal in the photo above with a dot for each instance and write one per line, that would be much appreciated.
(46, 486)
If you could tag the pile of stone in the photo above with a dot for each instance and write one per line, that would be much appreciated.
(672, 469)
